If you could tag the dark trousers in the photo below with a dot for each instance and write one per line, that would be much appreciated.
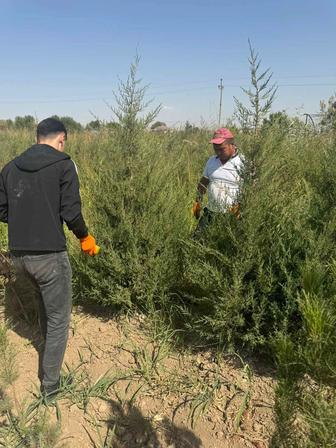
(203, 222)
(50, 276)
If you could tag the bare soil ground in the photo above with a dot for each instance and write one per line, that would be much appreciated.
(131, 388)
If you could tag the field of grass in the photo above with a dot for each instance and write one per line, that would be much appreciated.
(263, 286)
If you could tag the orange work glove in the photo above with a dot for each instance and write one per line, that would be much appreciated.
(196, 209)
(235, 210)
(88, 245)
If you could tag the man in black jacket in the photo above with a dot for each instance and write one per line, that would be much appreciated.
(39, 190)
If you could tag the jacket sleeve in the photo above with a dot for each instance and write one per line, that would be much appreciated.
(3, 200)
(71, 210)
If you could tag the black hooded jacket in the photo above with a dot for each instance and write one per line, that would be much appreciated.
(39, 190)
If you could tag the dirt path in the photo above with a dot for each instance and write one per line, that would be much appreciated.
(137, 391)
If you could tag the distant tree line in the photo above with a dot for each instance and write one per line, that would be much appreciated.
(30, 122)
(327, 122)
(26, 122)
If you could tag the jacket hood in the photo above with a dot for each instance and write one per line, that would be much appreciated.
(39, 156)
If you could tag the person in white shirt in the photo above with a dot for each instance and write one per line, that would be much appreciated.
(221, 179)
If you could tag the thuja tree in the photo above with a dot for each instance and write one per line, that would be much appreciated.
(261, 95)
(130, 109)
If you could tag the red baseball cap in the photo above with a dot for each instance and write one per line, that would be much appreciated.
(220, 135)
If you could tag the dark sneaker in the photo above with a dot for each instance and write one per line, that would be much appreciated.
(50, 391)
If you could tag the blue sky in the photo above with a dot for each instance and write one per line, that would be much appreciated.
(65, 57)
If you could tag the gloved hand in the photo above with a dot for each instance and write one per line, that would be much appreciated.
(235, 210)
(196, 209)
(88, 245)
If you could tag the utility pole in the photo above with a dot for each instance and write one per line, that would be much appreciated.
(221, 87)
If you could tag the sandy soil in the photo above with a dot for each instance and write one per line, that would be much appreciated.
(158, 398)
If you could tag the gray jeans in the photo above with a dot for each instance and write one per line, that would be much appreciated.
(50, 275)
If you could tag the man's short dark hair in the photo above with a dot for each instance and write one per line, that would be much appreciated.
(50, 126)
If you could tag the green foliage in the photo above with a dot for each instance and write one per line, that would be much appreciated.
(328, 111)
(318, 411)
(6, 124)
(130, 110)
(260, 95)
(8, 370)
(70, 124)
(265, 282)
(279, 119)
(190, 128)
(26, 122)
(137, 216)
(94, 125)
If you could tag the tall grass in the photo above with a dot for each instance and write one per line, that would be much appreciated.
(265, 282)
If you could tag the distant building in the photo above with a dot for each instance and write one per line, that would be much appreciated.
(159, 126)
(163, 129)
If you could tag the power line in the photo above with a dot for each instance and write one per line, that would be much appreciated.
(241, 78)
(307, 85)
(168, 92)
(51, 100)
(210, 81)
